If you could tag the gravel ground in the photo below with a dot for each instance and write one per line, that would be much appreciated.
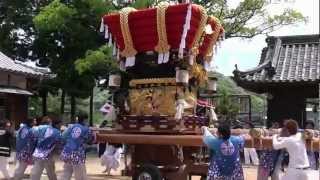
(95, 171)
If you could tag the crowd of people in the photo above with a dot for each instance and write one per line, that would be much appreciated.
(37, 144)
(289, 155)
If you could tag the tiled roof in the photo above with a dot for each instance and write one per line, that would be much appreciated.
(9, 65)
(286, 59)
(12, 90)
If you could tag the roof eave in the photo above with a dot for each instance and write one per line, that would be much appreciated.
(262, 86)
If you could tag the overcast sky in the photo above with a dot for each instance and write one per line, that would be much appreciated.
(246, 53)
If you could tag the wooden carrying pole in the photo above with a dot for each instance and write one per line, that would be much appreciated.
(187, 140)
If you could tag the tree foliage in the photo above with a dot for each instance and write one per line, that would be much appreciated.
(250, 17)
(54, 17)
(17, 32)
(73, 27)
(97, 63)
(226, 108)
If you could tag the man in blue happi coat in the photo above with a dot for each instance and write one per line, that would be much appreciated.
(225, 163)
(47, 136)
(73, 153)
(25, 144)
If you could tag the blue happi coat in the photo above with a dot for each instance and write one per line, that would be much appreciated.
(225, 163)
(47, 138)
(75, 138)
(25, 143)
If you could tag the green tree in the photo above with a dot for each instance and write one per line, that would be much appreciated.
(96, 64)
(72, 26)
(64, 31)
(226, 108)
(17, 32)
(250, 17)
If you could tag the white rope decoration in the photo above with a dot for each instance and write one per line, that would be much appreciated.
(186, 28)
(129, 52)
(110, 40)
(163, 47)
(106, 32)
(102, 25)
(114, 50)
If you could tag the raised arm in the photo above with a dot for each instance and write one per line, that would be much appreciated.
(279, 142)
(208, 138)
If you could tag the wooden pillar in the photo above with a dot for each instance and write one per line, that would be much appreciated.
(91, 109)
(63, 97)
(73, 108)
(18, 109)
(44, 103)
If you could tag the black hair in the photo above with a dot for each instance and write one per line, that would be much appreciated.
(292, 126)
(82, 117)
(46, 120)
(56, 122)
(224, 131)
(28, 121)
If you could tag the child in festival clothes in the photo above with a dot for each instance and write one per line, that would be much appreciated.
(5, 148)
(111, 157)
(47, 138)
(25, 144)
(225, 163)
(73, 153)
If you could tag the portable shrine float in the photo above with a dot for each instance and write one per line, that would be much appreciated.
(163, 54)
